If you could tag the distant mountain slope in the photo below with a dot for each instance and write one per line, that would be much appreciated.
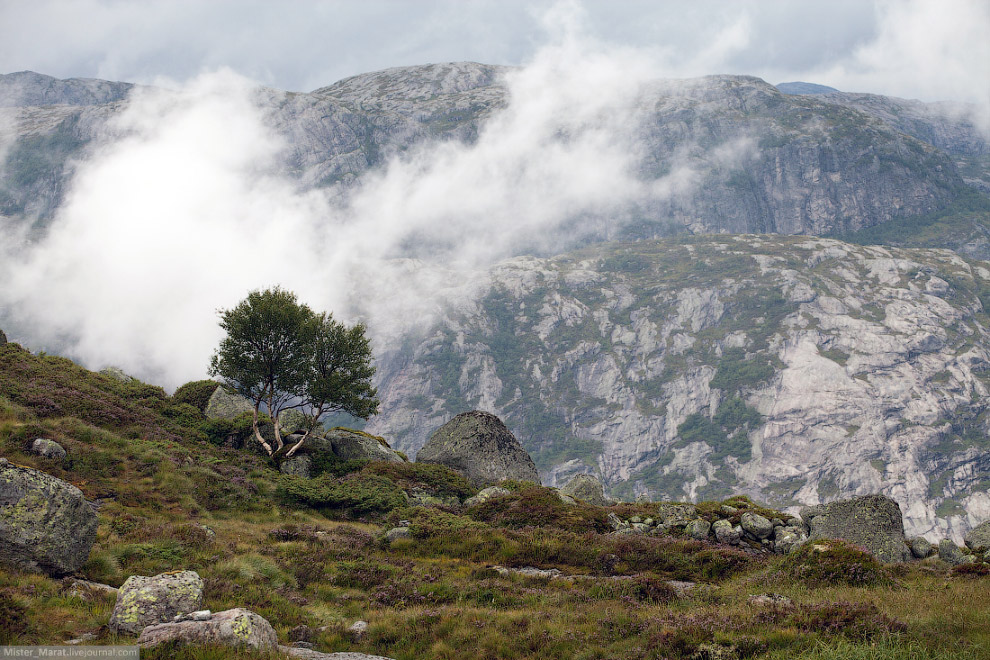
(805, 164)
(797, 370)
(798, 87)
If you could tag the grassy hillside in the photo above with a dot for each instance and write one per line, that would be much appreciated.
(177, 492)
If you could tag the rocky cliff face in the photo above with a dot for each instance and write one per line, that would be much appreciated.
(798, 370)
(764, 161)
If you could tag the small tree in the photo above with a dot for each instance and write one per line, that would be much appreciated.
(280, 353)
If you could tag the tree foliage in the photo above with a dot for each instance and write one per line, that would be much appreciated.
(283, 355)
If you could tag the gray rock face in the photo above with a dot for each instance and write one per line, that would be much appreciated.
(871, 359)
(950, 553)
(48, 448)
(298, 465)
(146, 601)
(45, 523)
(479, 446)
(978, 538)
(587, 488)
(236, 627)
(355, 445)
(873, 521)
(117, 374)
(224, 404)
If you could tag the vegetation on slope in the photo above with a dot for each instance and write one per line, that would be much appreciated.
(171, 499)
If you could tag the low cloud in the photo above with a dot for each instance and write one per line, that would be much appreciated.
(182, 211)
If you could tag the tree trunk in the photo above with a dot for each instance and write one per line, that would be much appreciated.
(257, 431)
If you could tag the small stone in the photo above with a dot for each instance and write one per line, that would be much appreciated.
(649, 522)
(614, 521)
(486, 494)
(48, 449)
(303, 645)
(769, 600)
(728, 510)
(85, 637)
(358, 628)
(301, 633)
(397, 533)
(726, 533)
(635, 519)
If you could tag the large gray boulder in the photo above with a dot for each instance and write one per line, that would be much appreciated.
(224, 404)
(479, 446)
(145, 601)
(587, 488)
(872, 521)
(356, 445)
(45, 523)
(236, 627)
(950, 553)
(978, 538)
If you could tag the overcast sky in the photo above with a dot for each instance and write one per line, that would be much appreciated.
(928, 49)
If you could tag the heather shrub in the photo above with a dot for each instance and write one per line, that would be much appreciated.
(974, 570)
(860, 621)
(196, 393)
(535, 506)
(834, 562)
(13, 619)
(355, 494)
(437, 480)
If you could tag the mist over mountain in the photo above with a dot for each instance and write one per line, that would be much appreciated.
(548, 243)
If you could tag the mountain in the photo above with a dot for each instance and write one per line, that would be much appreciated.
(798, 87)
(807, 164)
(794, 369)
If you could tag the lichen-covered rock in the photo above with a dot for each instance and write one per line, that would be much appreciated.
(479, 446)
(298, 465)
(950, 553)
(978, 538)
(920, 547)
(486, 494)
(587, 488)
(356, 445)
(118, 374)
(309, 654)
(145, 601)
(756, 525)
(725, 532)
(45, 523)
(236, 627)
(698, 529)
(224, 404)
(788, 539)
(48, 448)
(292, 420)
(873, 522)
(397, 533)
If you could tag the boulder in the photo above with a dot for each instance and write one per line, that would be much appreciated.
(725, 532)
(479, 446)
(755, 525)
(397, 533)
(224, 404)
(45, 523)
(299, 465)
(236, 627)
(920, 547)
(587, 488)
(292, 420)
(873, 522)
(978, 538)
(698, 529)
(349, 445)
(117, 374)
(48, 449)
(487, 494)
(3, 338)
(789, 538)
(146, 601)
(950, 553)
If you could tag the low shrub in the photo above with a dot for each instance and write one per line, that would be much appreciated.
(437, 480)
(860, 621)
(834, 562)
(356, 494)
(13, 619)
(535, 506)
(974, 570)
(196, 393)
